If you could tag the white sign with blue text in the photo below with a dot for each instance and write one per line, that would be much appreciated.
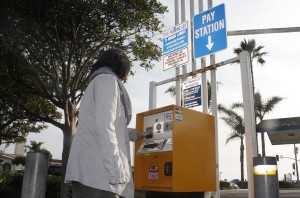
(175, 46)
(209, 31)
(192, 97)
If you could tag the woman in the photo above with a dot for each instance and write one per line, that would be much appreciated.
(99, 160)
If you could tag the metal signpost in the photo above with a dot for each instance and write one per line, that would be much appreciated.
(210, 33)
(175, 46)
(210, 36)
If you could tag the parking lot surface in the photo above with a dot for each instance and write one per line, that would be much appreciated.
(284, 193)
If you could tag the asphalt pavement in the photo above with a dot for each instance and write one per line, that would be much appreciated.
(284, 193)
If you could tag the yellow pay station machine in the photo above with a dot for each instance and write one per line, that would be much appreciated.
(177, 153)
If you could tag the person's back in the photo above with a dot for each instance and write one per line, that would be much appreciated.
(99, 160)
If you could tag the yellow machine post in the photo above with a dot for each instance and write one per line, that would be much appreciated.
(178, 152)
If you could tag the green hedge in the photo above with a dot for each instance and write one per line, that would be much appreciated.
(11, 185)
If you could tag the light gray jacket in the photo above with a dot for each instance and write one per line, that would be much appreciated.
(100, 155)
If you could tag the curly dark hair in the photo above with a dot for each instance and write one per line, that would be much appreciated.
(115, 59)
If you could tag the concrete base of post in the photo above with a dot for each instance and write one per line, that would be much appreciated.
(35, 175)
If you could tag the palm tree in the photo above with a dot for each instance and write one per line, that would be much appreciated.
(171, 90)
(254, 51)
(261, 109)
(264, 107)
(236, 124)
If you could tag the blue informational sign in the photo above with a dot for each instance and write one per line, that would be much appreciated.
(175, 38)
(192, 93)
(192, 97)
(209, 31)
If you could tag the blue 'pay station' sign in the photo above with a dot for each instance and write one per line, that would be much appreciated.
(210, 33)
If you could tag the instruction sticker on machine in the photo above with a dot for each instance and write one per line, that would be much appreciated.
(152, 145)
(153, 172)
(178, 114)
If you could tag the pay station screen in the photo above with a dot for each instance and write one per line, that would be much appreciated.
(158, 129)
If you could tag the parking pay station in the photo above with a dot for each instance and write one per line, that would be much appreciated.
(177, 153)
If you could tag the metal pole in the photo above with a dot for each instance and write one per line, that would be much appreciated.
(35, 175)
(184, 67)
(152, 95)
(198, 71)
(263, 147)
(177, 70)
(215, 111)
(204, 87)
(296, 162)
(263, 31)
(249, 118)
(214, 103)
(183, 18)
(281, 157)
(192, 13)
(203, 75)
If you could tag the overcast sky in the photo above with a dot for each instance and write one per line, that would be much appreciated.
(278, 77)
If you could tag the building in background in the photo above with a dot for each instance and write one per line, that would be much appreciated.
(7, 159)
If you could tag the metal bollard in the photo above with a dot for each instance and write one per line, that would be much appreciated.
(265, 177)
(35, 175)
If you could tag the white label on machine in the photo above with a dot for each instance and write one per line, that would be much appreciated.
(168, 117)
(178, 114)
(159, 128)
(153, 172)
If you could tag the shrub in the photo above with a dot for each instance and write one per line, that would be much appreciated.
(5, 179)
(285, 184)
(11, 185)
(224, 185)
(53, 186)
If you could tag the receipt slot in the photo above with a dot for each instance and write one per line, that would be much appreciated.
(177, 153)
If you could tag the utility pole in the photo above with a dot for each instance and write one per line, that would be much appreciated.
(296, 162)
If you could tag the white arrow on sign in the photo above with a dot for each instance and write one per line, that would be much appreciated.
(209, 43)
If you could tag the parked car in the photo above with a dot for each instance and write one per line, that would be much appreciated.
(236, 181)
(55, 169)
(231, 184)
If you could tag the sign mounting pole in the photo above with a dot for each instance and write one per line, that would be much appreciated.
(177, 72)
(249, 118)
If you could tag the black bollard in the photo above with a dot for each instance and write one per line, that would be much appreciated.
(35, 175)
(265, 177)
